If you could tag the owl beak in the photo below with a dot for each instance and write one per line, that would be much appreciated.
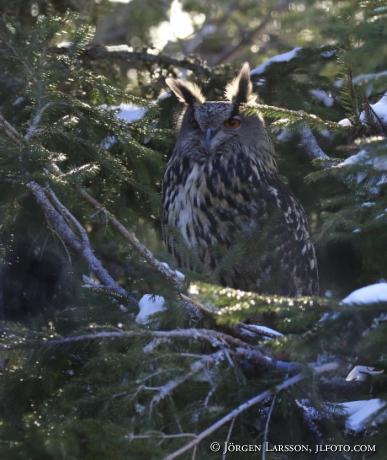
(208, 136)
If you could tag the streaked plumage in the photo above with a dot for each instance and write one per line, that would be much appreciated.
(221, 189)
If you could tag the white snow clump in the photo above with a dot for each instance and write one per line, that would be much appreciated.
(278, 58)
(345, 122)
(361, 413)
(323, 96)
(149, 304)
(176, 272)
(359, 373)
(367, 295)
(380, 109)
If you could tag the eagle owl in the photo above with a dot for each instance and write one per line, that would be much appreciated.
(223, 198)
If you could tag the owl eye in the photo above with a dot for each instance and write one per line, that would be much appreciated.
(232, 123)
(195, 124)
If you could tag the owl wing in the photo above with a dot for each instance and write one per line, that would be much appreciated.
(295, 254)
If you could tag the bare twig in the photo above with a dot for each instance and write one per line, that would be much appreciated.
(161, 436)
(235, 347)
(35, 122)
(246, 405)
(196, 367)
(309, 143)
(10, 132)
(140, 248)
(228, 436)
(55, 215)
(208, 310)
(247, 38)
(21, 59)
(267, 429)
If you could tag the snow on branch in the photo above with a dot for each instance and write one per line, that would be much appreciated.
(285, 57)
(125, 53)
(32, 130)
(309, 144)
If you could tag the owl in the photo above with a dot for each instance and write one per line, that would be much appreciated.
(224, 201)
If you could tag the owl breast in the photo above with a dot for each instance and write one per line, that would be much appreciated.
(219, 202)
(208, 203)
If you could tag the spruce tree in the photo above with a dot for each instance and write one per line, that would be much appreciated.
(80, 376)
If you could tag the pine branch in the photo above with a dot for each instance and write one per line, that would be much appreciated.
(59, 216)
(246, 405)
(17, 56)
(235, 347)
(123, 52)
(287, 117)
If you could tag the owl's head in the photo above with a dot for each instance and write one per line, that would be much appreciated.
(209, 125)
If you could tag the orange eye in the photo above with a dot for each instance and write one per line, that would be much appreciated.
(232, 123)
(195, 124)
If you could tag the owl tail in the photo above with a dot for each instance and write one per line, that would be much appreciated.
(240, 90)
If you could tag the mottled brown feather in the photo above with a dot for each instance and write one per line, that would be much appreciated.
(221, 189)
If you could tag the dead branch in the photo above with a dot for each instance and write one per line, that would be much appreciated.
(235, 347)
(246, 405)
(10, 132)
(248, 38)
(196, 367)
(162, 436)
(58, 216)
(169, 274)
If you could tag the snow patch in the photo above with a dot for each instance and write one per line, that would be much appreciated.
(359, 373)
(164, 95)
(367, 295)
(262, 330)
(345, 122)
(176, 272)
(285, 135)
(363, 158)
(367, 204)
(361, 412)
(127, 112)
(323, 97)
(380, 112)
(149, 304)
(278, 58)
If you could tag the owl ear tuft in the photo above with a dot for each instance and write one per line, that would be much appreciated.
(186, 91)
(240, 90)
